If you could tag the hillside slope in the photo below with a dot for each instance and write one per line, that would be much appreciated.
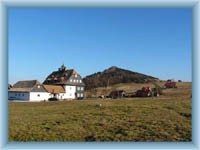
(115, 75)
(184, 89)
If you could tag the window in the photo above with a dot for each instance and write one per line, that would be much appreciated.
(74, 80)
(22, 94)
(76, 75)
(70, 80)
(19, 94)
(81, 88)
(81, 94)
(38, 86)
(78, 88)
(80, 81)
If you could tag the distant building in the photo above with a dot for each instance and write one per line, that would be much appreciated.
(117, 94)
(31, 90)
(70, 80)
(61, 84)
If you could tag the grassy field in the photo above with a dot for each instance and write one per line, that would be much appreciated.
(164, 118)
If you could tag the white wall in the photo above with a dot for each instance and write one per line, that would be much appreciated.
(39, 96)
(61, 96)
(58, 96)
(19, 95)
(70, 92)
(29, 96)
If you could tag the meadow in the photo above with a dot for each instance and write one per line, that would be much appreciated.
(164, 118)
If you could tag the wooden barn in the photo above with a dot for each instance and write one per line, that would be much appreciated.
(117, 94)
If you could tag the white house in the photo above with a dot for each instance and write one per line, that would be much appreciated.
(30, 90)
(70, 80)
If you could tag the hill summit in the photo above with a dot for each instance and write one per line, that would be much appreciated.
(115, 75)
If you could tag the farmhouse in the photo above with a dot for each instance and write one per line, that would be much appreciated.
(70, 80)
(61, 84)
(31, 90)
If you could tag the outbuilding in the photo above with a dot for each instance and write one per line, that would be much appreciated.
(117, 94)
(30, 90)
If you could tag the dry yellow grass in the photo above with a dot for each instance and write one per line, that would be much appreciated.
(142, 119)
(164, 118)
(183, 89)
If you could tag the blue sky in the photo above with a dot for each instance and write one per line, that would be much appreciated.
(156, 41)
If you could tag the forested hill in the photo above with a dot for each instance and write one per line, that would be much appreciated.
(115, 75)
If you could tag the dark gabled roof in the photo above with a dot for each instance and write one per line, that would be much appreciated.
(61, 77)
(24, 86)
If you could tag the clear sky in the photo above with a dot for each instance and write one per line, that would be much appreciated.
(156, 41)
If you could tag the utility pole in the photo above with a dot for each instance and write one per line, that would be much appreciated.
(107, 86)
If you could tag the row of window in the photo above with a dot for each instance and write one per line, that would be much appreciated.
(22, 94)
(60, 94)
(80, 95)
(80, 88)
(76, 81)
(19, 94)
